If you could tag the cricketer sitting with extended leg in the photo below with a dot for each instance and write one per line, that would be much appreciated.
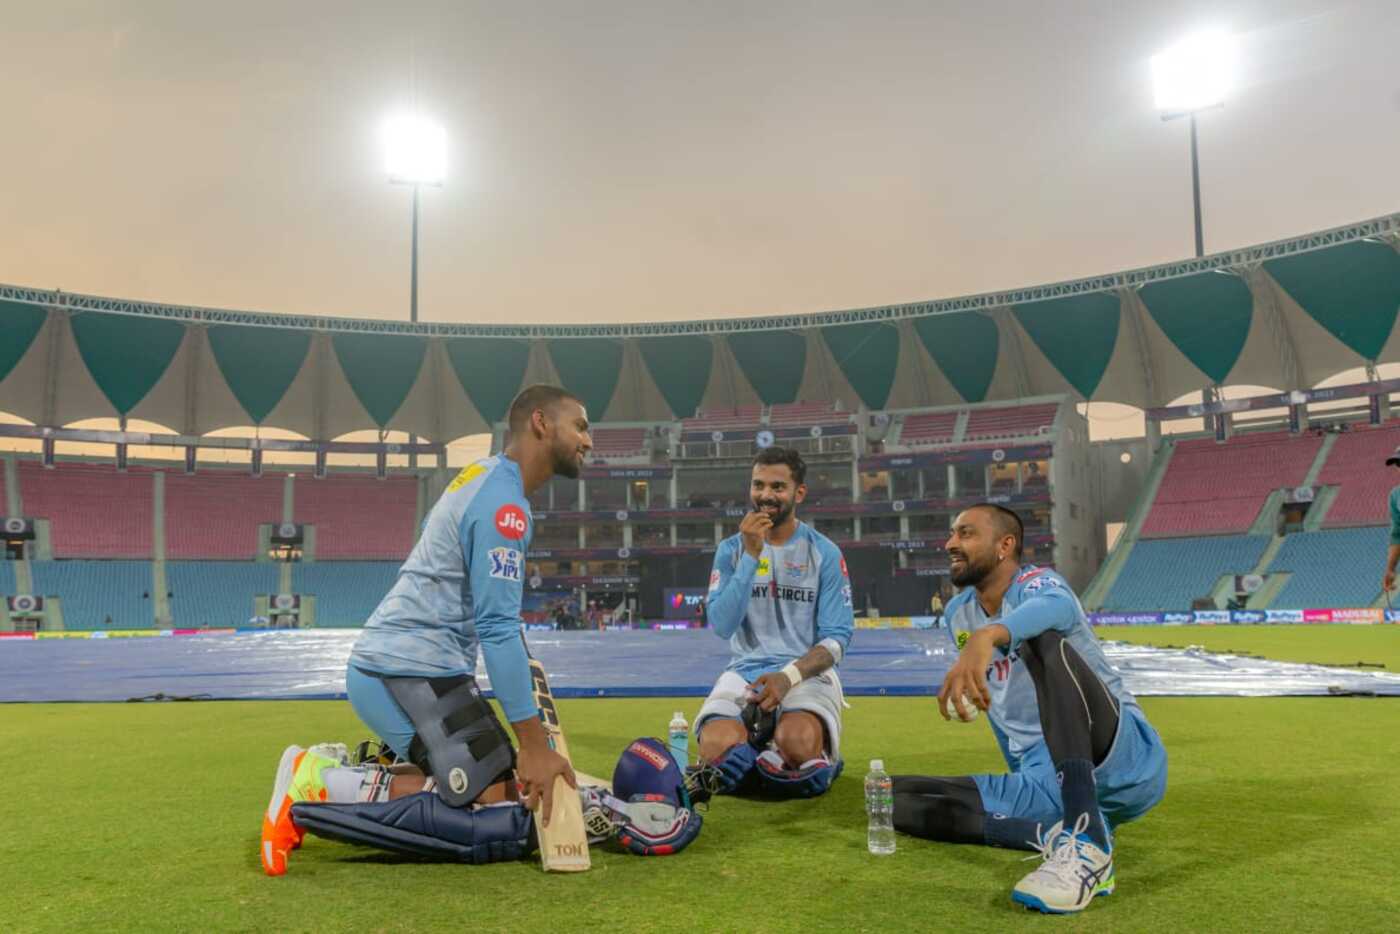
(780, 594)
(1083, 757)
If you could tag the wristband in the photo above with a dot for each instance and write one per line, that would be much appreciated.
(793, 675)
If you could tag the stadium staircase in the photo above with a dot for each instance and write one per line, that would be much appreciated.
(1102, 584)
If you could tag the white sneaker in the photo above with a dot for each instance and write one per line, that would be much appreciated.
(1074, 870)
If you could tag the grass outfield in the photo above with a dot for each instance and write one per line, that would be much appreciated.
(1280, 814)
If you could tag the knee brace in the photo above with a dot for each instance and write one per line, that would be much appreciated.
(457, 738)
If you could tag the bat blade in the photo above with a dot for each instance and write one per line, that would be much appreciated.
(564, 841)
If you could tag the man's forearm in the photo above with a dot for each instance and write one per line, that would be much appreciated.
(816, 661)
(1392, 556)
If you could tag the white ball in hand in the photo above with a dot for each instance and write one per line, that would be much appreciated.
(968, 706)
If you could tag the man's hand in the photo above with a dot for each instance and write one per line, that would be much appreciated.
(536, 767)
(769, 690)
(968, 676)
(755, 529)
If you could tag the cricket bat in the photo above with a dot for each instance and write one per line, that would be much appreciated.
(564, 841)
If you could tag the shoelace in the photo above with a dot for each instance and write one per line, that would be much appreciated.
(1057, 849)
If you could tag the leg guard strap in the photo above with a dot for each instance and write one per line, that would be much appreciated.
(813, 778)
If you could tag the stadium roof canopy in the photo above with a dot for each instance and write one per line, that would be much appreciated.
(1286, 315)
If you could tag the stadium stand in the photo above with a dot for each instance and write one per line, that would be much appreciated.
(928, 428)
(1356, 466)
(1331, 567)
(217, 593)
(346, 591)
(1014, 422)
(1167, 574)
(1213, 488)
(618, 444)
(806, 413)
(93, 510)
(7, 580)
(98, 594)
(359, 517)
(216, 514)
(747, 416)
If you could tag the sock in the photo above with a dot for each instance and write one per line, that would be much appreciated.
(1010, 833)
(1080, 795)
(365, 783)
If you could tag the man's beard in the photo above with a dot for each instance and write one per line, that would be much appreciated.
(784, 510)
(565, 464)
(973, 573)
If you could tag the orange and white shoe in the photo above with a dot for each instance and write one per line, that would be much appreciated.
(298, 779)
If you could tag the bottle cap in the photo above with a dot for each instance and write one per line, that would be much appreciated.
(678, 716)
(877, 765)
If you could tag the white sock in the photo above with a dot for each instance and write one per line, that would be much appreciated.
(360, 784)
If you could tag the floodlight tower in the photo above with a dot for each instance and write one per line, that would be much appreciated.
(415, 153)
(1191, 76)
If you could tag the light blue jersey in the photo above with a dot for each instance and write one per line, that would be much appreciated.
(460, 588)
(773, 609)
(1014, 712)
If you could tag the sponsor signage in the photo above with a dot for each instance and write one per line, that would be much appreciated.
(1362, 616)
(1283, 616)
(1317, 616)
(1211, 616)
(682, 602)
(956, 456)
(1125, 619)
(1248, 616)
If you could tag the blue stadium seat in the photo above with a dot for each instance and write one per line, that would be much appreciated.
(94, 592)
(1332, 568)
(7, 579)
(346, 591)
(1168, 573)
(217, 593)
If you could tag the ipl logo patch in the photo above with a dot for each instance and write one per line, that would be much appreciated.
(505, 564)
(762, 568)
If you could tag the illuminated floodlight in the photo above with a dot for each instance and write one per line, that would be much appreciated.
(1195, 74)
(415, 151)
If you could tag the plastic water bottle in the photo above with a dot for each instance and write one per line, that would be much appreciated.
(879, 806)
(678, 738)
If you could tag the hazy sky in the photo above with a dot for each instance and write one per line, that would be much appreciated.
(651, 160)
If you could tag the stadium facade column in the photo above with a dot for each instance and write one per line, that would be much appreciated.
(289, 498)
(12, 505)
(160, 588)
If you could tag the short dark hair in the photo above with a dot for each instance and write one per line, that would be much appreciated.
(538, 396)
(1007, 523)
(774, 455)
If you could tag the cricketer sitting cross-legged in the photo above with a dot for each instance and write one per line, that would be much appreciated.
(780, 594)
(1082, 755)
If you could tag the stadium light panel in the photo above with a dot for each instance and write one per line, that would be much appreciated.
(415, 150)
(1195, 74)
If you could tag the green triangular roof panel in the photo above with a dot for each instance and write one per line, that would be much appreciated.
(258, 363)
(1207, 316)
(381, 369)
(964, 346)
(1352, 290)
(773, 361)
(589, 367)
(19, 325)
(126, 355)
(868, 354)
(490, 370)
(1077, 335)
(680, 366)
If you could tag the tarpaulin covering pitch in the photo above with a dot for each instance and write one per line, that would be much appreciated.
(309, 664)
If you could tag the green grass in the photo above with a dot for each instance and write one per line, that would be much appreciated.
(1280, 815)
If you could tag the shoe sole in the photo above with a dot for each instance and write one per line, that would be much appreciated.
(269, 851)
(1031, 901)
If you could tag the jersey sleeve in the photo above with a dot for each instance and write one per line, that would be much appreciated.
(835, 617)
(494, 537)
(730, 585)
(1395, 516)
(1046, 603)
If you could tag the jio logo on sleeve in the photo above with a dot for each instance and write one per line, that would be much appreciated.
(510, 522)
